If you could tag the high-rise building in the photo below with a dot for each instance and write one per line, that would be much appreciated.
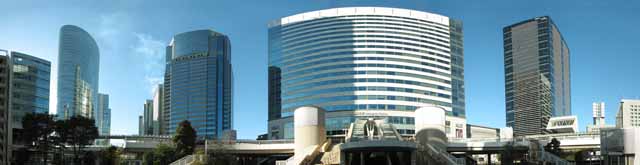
(598, 113)
(25, 89)
(147, 118)
(537, 83)
(198, 82)
(158, 111)
(365, 62)
(141, 125)
(103, 118)
(5, 113)
(30, 79)
(78, 69)
(628, 115)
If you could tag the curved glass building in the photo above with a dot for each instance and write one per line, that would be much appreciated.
(78, 70)
(365, 62)
(198, 82)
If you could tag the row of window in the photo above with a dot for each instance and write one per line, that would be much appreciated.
(314, 29)
(361, 97)
(356, 37)
(335, 60)
(290, 41)
(340, 66)
(336, 74)
(308, 23)
(348, 47)
(331, 44)
(355, 80)
(367, 88)
(298, 60)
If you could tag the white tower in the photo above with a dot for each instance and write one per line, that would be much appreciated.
(598, 114)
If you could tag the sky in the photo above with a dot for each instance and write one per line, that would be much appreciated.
(132, 35)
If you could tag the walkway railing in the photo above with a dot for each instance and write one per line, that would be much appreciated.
(441, 156)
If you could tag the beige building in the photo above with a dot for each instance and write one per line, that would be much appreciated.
(628, 114)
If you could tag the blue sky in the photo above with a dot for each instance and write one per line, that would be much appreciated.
(132, 34)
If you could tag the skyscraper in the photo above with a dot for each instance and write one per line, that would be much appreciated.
(158, 111)
(78, 69)
(5, 113)
(24, 87)
(537, 77)
(198, 82)
(365, 62)
(30, 79)
(103, 118)
(147, 118)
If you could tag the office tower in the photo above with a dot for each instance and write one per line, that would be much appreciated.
(28, 93)
(141, 125)
(628, 115)
(598, 113)
(103, 118)
(198, 82)
(147, 117)
(158, 111)
(78, 69)
(5, 114)
(537, 83)
(30, 79)
(365, 62)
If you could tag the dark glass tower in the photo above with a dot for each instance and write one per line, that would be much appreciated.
(198, 82)
(537, 78)
(78, 69)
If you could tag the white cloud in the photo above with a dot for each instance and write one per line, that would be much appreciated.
(152, 52)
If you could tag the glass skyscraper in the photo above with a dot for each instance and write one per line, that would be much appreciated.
(198, 82)
(30, 79)
(537, 77)
(365, 62)
(103, 119)
(78, 69)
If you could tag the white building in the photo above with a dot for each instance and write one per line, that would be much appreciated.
(628, 114)
(598, 118)
(365, 62)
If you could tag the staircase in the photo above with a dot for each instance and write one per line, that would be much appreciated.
(537, 153)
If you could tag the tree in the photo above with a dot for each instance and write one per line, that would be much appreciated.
(80, 132)
(553, 147)
(110, 155)
(37, 131)
(185, 139)
(165, 154)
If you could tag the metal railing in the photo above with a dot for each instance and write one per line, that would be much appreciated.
(442, 156)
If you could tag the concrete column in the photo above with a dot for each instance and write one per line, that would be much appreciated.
(309, 128)
(429, 126)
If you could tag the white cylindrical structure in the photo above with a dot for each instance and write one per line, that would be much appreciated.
(430, 126)
(309, 128)
(430, 117)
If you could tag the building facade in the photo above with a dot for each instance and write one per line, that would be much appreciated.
(598, 119)
(198, 82)
(598, 113)
(158, 111)
(147, 118)
(78, 70)
(537, 77)
(365, 62)
(5, 113)
(628, 115)
(103, 118)
(30, 79)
